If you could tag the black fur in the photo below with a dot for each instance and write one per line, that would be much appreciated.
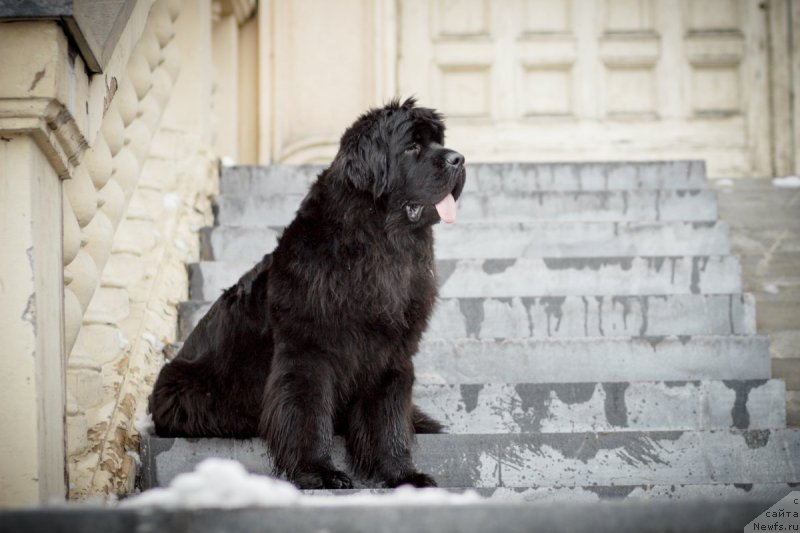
(318, 337)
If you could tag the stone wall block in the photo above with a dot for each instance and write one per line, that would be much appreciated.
(122, 269)
(139, 74)
(126, 171)
(113, 202)
(77, 426)
(127, 103)
(137, 138)
(162, 86)
(143, 232)
(161, 22)
(110, 304)
(113, 128)
(171, 60)
(72, 231)
(147, 204)
(72, 315)
(84, 378)
(104, 342)
(98, 161)
(100, 232)
(82, 196)
(150, 110)
(150, 47)
(84, 278)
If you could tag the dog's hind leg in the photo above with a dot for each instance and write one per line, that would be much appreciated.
(297, 418)
(185, 404)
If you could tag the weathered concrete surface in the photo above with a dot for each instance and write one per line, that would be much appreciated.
(592, 359)
(543, 459)
(571, 316)
(514, 239)
(716, 492)
(497, 177)
(498, 278)
(685, 205)
(696, 516)
(601, 407)
(765, 224)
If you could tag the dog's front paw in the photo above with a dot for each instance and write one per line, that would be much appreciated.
(323, 479)
(415, 479)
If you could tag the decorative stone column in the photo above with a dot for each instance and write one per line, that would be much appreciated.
(51, 108)
(40, 140)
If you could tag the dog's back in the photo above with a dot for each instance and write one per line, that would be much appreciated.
(220, 368)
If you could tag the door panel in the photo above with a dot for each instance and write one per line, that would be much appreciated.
(593, 79)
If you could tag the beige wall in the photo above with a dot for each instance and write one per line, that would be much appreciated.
(537, 80)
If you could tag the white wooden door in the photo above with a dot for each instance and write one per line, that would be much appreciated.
(593, 79)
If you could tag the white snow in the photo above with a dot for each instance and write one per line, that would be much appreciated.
(771, 288)
(788, 182)
(143, 423)
(223, 483)
(725, 182)
(171, 200)
(135, 456)
(227, 161)
(153, 341)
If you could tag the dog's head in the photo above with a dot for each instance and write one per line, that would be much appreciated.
(396, 154)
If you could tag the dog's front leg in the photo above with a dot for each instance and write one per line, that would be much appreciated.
(380, 430)
(297, 418)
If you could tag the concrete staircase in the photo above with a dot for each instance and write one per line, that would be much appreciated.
(592, 340)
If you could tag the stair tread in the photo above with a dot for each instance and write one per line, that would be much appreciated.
(541, 276)
(504, 239)
(521, 317)
(501, 176)
(612, 205)
(546, 459)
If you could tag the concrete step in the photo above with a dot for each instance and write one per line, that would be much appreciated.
(589, 359)
(497, 177)
(347, 515)
(513, 239)
(626, 205)
(608, 494)
(541, 459)
(603, 407)
(550, 276)
(571, 316)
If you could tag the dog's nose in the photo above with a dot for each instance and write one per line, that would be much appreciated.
(455, 159)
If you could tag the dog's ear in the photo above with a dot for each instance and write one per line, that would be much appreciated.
(363, 159)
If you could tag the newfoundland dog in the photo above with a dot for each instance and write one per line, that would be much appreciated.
(317, 338)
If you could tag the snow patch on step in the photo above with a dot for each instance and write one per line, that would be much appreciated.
(224, 483)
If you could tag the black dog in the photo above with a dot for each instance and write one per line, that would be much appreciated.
(318, 337)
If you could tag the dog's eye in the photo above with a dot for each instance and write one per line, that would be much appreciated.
(414, 148)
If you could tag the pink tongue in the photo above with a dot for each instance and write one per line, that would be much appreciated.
(447, 209)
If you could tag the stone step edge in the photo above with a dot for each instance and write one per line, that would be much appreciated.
(692, 516)
(493, 460)
(600, 493)
(680, 192)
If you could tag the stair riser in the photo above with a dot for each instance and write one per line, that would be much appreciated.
(511, 240)
(592, 360)
(496, 177)
(693, 205)
(573, 316)
(603, 407)
(762, 456)
(498, 278)
(593, 276)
